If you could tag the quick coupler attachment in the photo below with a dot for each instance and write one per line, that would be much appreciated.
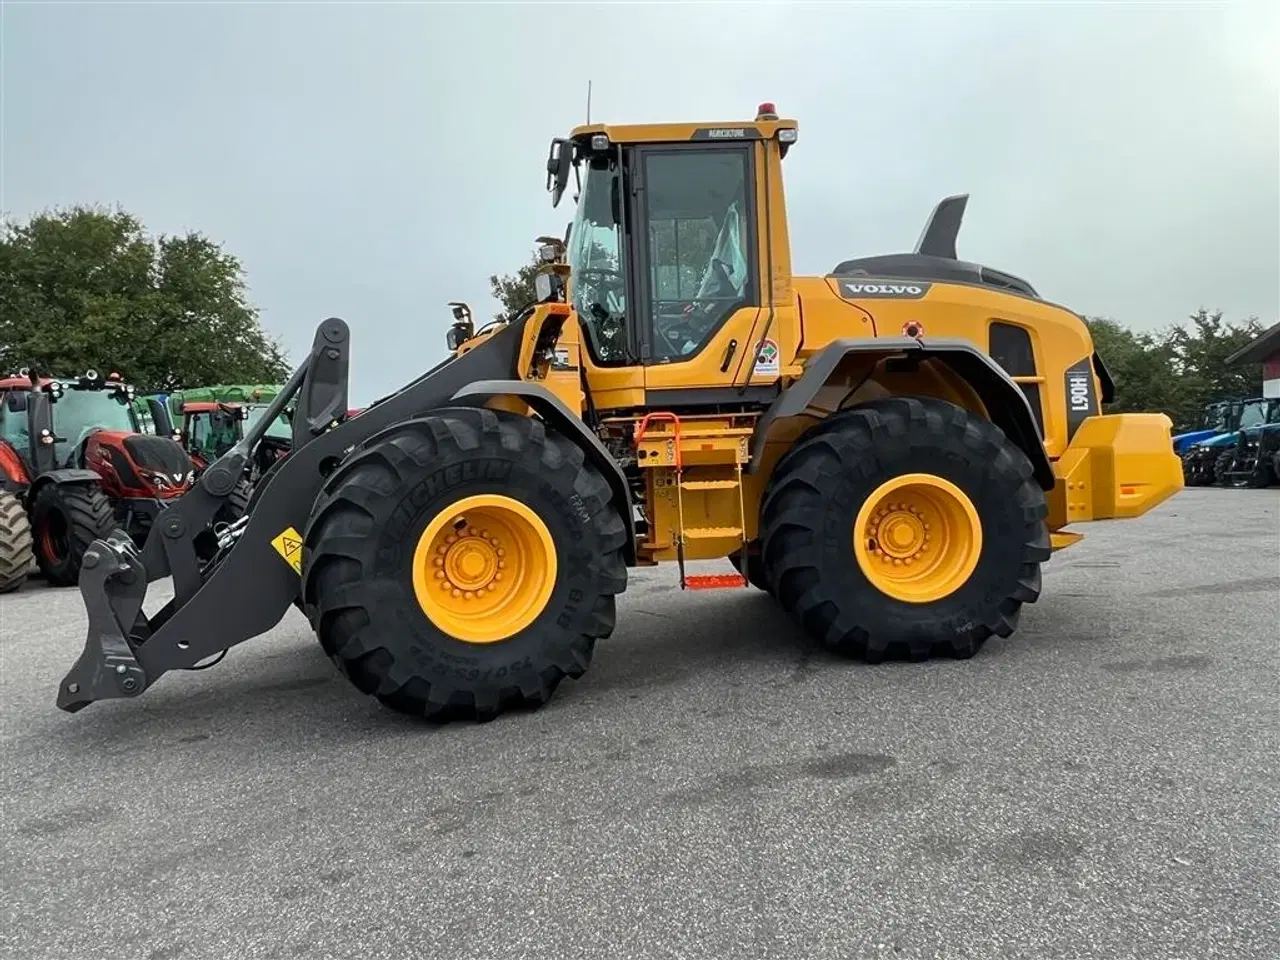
(113, 583)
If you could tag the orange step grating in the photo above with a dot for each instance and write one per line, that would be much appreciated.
(715, 581)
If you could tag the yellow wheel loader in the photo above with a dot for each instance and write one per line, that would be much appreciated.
(891, 450)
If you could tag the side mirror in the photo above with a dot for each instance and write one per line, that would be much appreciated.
(559, 160)
(15, 401)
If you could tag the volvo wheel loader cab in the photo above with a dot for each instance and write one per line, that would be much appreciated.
(891, 450)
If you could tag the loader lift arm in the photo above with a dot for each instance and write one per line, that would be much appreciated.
(247, 587)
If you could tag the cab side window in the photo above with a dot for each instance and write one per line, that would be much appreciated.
(199, 437)
(698, 226)
(13, 420)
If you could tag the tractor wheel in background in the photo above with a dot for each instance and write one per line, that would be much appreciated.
(904, 527)
(1199, 472)
(65, 519)
(463, 564)
(1220, 468)
(1192, 475)
(1260, 476)
(17, 558)
(755, 566)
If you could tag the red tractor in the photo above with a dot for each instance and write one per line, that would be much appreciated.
(210, 429)
(74, 465)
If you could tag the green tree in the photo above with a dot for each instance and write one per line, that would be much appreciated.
(1179, 369)
(1200, 351)
(514, 290)
(87, 287)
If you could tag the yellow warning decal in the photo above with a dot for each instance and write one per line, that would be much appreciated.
(289, 546)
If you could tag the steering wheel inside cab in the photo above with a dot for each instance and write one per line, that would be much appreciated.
(684, 325)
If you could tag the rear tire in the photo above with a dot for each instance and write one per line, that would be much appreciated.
(1260, 477)
(360, 562)
(812, 507)
(17, 556)
(65, 519)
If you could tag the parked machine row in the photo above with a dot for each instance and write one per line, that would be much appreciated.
(1237, 446)
(81, 457)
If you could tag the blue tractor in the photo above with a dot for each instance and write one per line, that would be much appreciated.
(1218, 417)
(1200, 449)
(1251, 460)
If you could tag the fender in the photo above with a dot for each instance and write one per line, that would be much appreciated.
(552, 409)
(1002, 396)
(66, 475)
(13, 472)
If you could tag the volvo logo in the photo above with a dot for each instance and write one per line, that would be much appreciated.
(883, 289)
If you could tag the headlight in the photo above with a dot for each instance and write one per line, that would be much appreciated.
(455, 338)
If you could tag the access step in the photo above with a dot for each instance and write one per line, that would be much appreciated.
(708, 484)
(712, 533)
(715, 581)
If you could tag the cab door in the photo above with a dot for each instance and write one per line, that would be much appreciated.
(698, 302)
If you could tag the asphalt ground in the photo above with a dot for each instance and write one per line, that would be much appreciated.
(1101, 785)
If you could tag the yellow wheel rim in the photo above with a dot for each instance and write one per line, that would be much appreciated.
(484, 568)
(917, 538)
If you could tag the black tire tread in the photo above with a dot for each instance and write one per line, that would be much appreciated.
(336, 601)
(90, 517)
(17, 552)
(849, 441)
(1220, 467)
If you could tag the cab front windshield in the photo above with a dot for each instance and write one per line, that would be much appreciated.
(1258, 412)
(279, 427)
(595, 261)
(1218, 417)
(78, 412)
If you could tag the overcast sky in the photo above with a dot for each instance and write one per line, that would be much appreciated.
(374, 162)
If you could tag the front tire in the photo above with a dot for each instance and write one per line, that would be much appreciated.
(408, 546)
(65, 519)
(17, 557)
(1220, 468)
(929, 492)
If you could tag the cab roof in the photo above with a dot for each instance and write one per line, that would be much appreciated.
(22, 383)
(19, 382)
(205, 406)
(764, 127)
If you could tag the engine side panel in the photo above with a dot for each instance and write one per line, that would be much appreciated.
(1062, 385)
